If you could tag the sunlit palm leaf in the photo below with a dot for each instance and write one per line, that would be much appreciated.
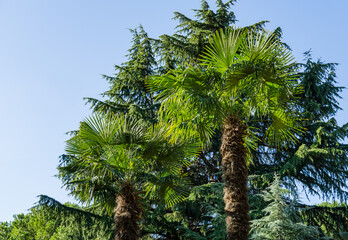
(111, 150)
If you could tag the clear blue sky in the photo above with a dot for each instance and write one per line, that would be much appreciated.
(52, 54)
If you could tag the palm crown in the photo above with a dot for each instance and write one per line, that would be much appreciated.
(244, 74)
(114, 161)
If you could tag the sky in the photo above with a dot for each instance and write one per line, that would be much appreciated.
(53, 54)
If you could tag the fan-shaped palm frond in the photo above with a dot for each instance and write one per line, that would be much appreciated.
(113, 159)
(245, 74)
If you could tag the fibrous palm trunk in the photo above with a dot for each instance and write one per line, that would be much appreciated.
(127, 213)
(235, 176)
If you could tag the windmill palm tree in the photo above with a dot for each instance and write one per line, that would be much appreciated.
(114, 161)
(243, 74)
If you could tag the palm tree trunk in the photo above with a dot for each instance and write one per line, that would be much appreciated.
(235, 176)
(127, 213)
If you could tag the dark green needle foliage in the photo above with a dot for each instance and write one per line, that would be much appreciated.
(331, 218)
(192, 36)
(127, 92)
(200, 216)
(318, 80)
(320, 159)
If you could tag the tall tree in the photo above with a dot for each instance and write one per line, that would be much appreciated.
(245, 73)
(319, 159)
(185, 47)
(114, 159)
(316, 165)
(128, 92)
(296, 165)
(192, 36)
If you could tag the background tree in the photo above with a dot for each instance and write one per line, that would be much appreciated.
(281, 220)
(200, 216)
(128, 92)
(44, 222)
(331, 218)
(318, 160)
(192, 36)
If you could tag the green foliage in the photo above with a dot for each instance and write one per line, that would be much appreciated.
(248, 73)
(110, 151)
(321, 157)
(331, 218)
(45, 223)
(5, 230)
(200, 216)
(192, 36)
(318, 160)
(128, 92)
(318, 80)
(280, 220)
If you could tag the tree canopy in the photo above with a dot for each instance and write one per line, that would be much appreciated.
(163, 134)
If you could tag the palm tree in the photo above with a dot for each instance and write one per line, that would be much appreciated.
(114, 160)
(243, 74)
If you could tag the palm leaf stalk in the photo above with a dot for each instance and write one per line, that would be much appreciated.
(114, 161)
(244, 74)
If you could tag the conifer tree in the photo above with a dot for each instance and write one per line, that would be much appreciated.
(320, 164)
(127, 92)
(331, 218)
(192, 36)
(319, 159)
(281, 221)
